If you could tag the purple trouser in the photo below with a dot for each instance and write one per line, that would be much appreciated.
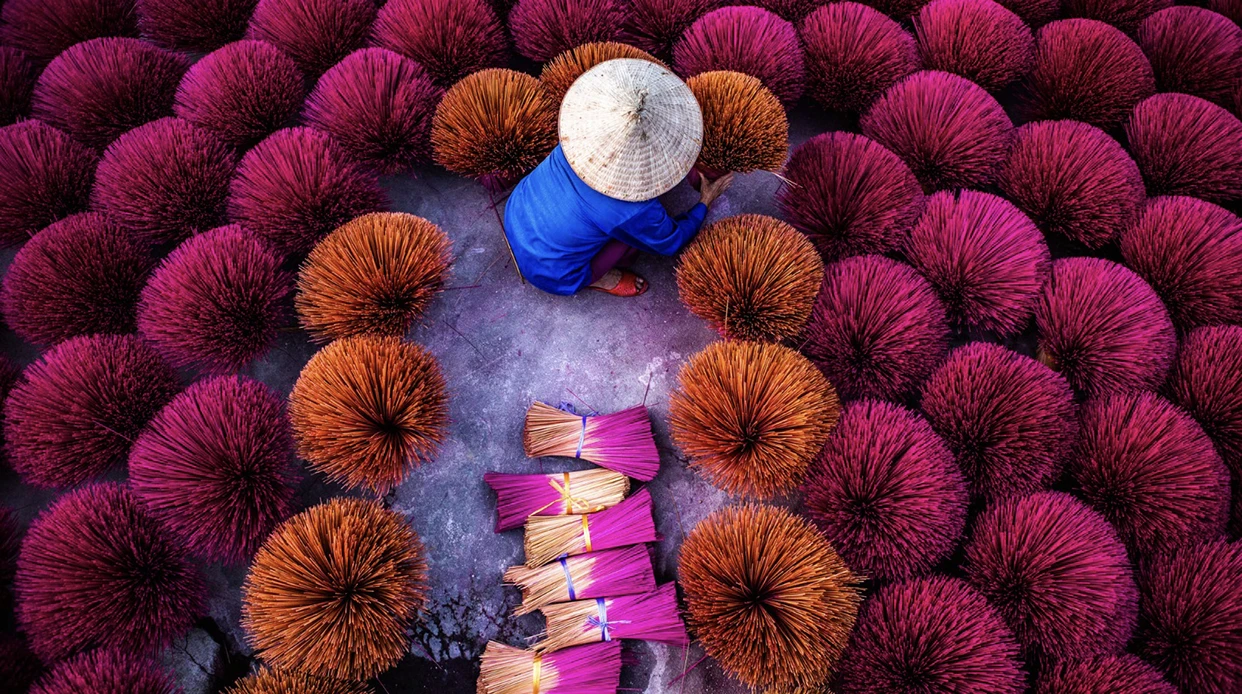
(613, 254)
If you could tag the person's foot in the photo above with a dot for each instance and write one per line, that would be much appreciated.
(620, 283)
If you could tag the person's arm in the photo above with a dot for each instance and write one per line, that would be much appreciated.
(653, 230)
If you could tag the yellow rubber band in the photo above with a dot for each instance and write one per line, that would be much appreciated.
(586, 533)
(537, 673)
(569, 499)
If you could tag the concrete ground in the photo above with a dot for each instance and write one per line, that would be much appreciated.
(502, 345)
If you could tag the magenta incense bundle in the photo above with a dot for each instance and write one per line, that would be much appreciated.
(649, 617)
(592, 669)
(628, 523)
(588, 576)
(620, 441)
(586, 491)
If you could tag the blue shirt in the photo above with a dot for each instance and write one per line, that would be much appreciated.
(556, 224)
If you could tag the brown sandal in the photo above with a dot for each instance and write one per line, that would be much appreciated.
(629, 285)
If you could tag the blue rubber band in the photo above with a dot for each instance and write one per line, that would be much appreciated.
(569, 581)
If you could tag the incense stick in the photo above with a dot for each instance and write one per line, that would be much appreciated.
(596, 575)
(650, 617)
(620, 441)
(562, 493)
(592, 669)
(628, 523)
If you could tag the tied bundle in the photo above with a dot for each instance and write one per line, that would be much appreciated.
(596, 575)
(620, 441)
(586, 491)
(628, 523)
(592, 669)
(650, 617)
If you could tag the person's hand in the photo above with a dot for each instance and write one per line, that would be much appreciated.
(711, 190)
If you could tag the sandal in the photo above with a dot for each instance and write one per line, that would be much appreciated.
(629, 285)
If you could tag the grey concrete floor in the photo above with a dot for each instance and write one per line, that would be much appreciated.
(501, 345)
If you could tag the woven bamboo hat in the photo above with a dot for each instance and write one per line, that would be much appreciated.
(630, 129)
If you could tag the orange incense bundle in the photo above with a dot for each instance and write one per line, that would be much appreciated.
(593, 669)
(628, 523)
(648, 617)
(596, 575)
(558, 494)
(620, 441)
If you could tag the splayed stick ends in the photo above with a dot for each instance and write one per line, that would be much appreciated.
(543, 29)
(216, 467)
(1057, 573)
(298, 185)
(98, 89)
(750, 277)
(1187, 146)
(281, 682)
(585, 491)
(853, 54)
(1206, 381)
(1126, 15)
(198, 26)
(656, 25)
(44, 29)
(986, 260)
(242, 92)
(44, 176)
(317, 34)
(378, 105)
(744, 127)
(367, 410)
(1190, 252)
(1072, 180)
(1103, 327)
(768, 597)
(1088, 71)
(977, 39)
(215, 302)
(561, 72)
(1193, 51)
(850, 195)
(96, 569)
(75, 411)
(107, 671)
(751, 416)
(17, 80)
(628, 523)
(333, 590)
(877, 329)
(375, 275)
(165, 181)
(950, 131)
(1102, 675)
(620, 441)
(1010, 421)
(449, 38)
(494, 126)
(932, 634)
(79, 276)
(886, 492)
(748, 40)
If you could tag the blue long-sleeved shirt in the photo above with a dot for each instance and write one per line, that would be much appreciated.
(556, 224)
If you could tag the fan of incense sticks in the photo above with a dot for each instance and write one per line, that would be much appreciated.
(596, 575)
(650, 617)
(620, 441)
(592, 669)
(628, 523)
(557, 494)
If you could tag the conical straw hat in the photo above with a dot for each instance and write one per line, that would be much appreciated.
(631, 129)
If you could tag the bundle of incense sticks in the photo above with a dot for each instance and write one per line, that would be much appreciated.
(650, 617)
(596, 575)
(627, 523)
(620, 441)
(557, 494)
(592, 669)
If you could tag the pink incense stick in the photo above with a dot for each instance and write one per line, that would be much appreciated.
(558, 494)
(649, 617)
(628, 523)
(590, 669)
(604, 574)
(620, 441)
